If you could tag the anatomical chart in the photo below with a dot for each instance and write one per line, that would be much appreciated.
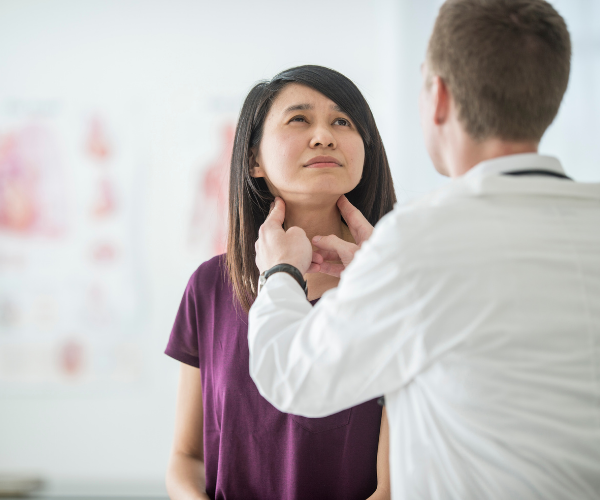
(71, 279)
(210, 197)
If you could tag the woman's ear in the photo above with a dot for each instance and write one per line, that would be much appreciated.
(255, 169)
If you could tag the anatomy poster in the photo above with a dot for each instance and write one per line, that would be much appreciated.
(71, 277)
(210, 197)
(75, 281)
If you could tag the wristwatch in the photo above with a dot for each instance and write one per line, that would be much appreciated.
(294, 272)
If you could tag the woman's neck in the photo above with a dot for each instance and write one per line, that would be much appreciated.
(315, 220)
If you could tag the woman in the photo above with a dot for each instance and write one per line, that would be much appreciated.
(309, 137)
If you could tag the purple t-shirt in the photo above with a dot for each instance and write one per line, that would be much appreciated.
(251, 449)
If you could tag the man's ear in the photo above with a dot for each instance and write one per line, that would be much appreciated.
(255, 169)
(441, 100)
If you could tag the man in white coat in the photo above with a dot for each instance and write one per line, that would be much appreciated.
(476, 309)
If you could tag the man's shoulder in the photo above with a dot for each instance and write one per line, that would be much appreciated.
(430, 224)
(471, 210)
(428, 209)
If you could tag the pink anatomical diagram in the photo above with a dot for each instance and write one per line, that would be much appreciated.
(104, 201)
(99, 150)
(97, 143)
(32, 185)
(209, 216)
(72, 357)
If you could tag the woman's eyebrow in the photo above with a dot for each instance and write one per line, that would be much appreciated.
(298, 107)
(304, 107)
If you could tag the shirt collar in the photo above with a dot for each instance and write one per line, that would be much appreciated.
(510, 163)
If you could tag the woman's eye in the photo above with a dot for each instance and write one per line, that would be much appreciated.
(343, 122)
(298, 119)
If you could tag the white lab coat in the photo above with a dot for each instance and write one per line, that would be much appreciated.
(476, 311)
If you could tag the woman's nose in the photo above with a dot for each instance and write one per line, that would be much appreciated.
(323, 137)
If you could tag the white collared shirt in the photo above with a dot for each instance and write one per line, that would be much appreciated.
(476, 311)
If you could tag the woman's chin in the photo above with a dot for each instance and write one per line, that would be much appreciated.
(322, 189)
(328, 187)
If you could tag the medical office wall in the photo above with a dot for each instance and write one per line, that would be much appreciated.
(116, 126)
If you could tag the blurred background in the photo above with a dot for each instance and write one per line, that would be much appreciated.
(116, 124)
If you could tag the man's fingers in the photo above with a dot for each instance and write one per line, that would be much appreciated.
(350, 213)
(332, 269)
(332, 243)
(325, 255)
(314, 268)
(277, 215)
(359, 226)
(317, 258)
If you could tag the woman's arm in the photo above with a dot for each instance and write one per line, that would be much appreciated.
(185, 474)
(383, 491)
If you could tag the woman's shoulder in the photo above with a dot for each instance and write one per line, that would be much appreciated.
(211, 277)
(212, 267)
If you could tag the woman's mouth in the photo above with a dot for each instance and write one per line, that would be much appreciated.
(323, 162)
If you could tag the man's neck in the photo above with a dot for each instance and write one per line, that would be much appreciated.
(467, 153)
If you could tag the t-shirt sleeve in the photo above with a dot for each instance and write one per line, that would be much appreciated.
(183, 342)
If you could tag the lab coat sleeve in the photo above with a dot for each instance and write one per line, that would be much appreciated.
(354, 345)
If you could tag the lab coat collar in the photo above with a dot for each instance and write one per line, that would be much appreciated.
(510, 163)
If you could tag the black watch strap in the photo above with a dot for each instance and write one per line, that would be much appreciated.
(294, 272)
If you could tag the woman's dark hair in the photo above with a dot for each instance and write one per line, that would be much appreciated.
(249, 197)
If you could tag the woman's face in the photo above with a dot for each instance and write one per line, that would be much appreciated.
(308, 147)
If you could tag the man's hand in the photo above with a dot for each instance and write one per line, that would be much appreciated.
(332, 248)
(276, 246)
